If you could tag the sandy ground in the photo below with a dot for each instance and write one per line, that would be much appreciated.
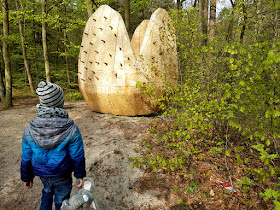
(109, 140)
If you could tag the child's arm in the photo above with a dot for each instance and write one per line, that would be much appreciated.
(26, 166)
(76, 152)
(28, 184)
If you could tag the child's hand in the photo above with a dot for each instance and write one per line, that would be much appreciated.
(28, 184)
(80, 184)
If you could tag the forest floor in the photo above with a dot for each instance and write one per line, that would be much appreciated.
(109, 141)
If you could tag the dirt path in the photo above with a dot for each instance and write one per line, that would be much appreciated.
(108, 141)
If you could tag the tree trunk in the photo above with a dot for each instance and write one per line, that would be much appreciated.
(65, 50)
(127, 15)
(259, 21)
(179, 4)
(44, 40)
(34, 34)
(244, 10)
(6, 57)
(89, 8)
(26, 64)
(276, 29)
(203, 10)
(2, 87)
(195, 3)
(66, 57)
(212, 20)
(234, 18)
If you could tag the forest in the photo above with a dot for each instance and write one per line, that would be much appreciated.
(225, 109)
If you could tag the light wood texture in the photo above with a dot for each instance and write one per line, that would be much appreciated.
(108, 69)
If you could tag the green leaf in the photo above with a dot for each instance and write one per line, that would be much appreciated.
(276, 114)
(277, 204)
(267, 113)
(242, 109)
(234, 106)
(241, 83)
(228, 152)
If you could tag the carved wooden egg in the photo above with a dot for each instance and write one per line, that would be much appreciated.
(109, 68)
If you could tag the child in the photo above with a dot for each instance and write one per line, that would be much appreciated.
(52, 148)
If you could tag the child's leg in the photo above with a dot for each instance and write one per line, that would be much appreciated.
(62, 190)
(47, 195)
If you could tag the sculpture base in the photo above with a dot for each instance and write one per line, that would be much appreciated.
(125, 101)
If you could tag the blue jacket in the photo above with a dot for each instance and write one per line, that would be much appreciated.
(52, 147)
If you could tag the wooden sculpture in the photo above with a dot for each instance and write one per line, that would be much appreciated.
(110, 66)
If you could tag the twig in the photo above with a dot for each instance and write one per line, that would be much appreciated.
(226, 147)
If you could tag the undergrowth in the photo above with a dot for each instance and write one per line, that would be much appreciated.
(224, 113)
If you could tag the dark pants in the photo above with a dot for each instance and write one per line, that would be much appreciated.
(59, 188)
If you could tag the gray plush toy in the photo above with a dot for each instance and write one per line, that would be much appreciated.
(83, 199)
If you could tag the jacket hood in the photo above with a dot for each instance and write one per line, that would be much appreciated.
(48, 133)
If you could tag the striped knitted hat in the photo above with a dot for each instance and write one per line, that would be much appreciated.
(50, 94)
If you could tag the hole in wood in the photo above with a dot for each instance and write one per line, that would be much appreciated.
(94, 19)
(97, 78)
(103, 41)
(90, 62)
(82, 79)
(91, 43)
(111, 27)
(94, 34)
(93, 72)
(101, 29)
(97, 62)
(85, 51)
(106, 64)
(89, 78)
(105, 18)
(96, 51)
